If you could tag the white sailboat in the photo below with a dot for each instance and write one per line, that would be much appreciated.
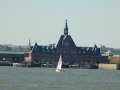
(59, 66)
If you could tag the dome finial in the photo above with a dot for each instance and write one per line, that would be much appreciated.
(66, 20)
(66, 28)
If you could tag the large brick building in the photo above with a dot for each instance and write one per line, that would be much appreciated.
(72, 55)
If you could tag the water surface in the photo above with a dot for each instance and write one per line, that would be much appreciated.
(20, 78)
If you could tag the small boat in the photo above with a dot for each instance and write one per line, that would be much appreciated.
(59, 66)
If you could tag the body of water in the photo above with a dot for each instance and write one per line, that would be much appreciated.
(19, 78)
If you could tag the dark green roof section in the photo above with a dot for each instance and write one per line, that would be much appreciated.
(66, 42)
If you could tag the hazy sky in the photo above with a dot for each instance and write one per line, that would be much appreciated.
(89, 21)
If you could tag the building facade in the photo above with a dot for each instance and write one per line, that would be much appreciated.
(72, 55)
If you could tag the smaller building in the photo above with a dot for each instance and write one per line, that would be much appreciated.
(114, 59)
(7, 58)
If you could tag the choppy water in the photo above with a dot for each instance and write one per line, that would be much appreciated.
(18, 78)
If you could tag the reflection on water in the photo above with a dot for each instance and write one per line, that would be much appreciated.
(18, 78)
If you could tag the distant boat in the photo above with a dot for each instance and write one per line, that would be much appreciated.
(59, 66)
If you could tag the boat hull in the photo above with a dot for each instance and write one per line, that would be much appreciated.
(57, 70)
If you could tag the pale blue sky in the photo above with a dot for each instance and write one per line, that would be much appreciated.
(90, 21)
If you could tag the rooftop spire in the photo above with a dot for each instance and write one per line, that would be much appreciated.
(66, 28)
(29, 42)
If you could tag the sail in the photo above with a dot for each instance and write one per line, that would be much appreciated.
(59, 63)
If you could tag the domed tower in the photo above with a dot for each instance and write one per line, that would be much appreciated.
(66, 40)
